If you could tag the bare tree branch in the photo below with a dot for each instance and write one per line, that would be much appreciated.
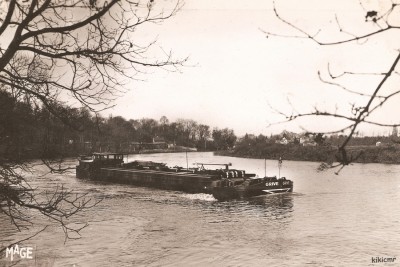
(82, 51)
(376, 99)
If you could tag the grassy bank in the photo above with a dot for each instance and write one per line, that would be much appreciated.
(367, 154)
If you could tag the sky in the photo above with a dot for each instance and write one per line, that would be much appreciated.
(237, 76)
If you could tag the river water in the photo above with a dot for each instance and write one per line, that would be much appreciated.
(329, 220)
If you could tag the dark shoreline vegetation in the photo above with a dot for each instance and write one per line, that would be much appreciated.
(28, 131)
(361, 154)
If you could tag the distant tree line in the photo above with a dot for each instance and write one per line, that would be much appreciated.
(316, 147)
(28, 130)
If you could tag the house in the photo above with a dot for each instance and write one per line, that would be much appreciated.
(282, 141)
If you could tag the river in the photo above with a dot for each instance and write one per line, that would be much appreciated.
(329, 220)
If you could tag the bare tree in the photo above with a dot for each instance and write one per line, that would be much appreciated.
(380, 22)
(76, 52)
(83, 49)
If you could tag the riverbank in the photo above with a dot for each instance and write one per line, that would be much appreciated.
(175, 149)
(366, 154)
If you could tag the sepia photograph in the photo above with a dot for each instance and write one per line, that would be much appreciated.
(199, 133)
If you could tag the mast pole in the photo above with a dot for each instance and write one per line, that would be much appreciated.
(187, 163)
(279, 166)
(265, 167)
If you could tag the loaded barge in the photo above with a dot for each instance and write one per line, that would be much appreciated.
(223, 183)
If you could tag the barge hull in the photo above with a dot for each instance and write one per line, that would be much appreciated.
(180, 181)
(242, 191)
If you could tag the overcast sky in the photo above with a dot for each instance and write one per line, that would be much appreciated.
(235, 72)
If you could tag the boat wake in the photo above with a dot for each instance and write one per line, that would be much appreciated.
(199, 196)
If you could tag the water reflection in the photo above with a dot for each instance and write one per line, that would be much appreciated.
(283, 202)
(276, 207)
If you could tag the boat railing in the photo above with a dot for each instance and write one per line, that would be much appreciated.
(201, 165)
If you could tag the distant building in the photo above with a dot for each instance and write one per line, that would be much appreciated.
(309, 143)
(172, 145)
(158, 139)
(283, 141)
(139, 146)
(307, 140)
(134, 146)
